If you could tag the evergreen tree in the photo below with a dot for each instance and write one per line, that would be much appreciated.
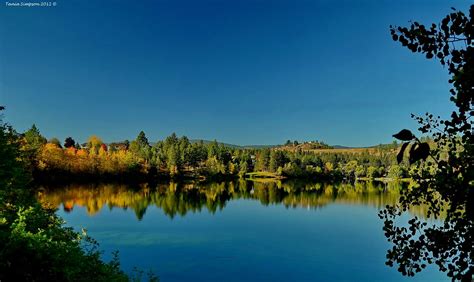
(33, 138)
(142, 140)
(69, 142)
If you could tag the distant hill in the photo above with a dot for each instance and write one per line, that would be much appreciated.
(209, 141)
(319, 147)
(306, 146)
(233, 145)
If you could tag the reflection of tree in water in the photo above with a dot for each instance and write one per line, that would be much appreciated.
(182, 201)
(180, 198)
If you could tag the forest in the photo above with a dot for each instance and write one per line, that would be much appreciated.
(178, 157)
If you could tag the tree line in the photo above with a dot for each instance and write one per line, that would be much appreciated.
(176, 157)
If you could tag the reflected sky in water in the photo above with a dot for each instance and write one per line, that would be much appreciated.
(239, 231)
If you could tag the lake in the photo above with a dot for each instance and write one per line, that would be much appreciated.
(239, 231)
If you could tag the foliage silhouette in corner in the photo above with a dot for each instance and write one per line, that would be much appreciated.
(444, 173)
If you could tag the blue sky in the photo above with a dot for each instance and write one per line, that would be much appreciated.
(242, 72)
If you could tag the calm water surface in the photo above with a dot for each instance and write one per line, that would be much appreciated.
(239, 231)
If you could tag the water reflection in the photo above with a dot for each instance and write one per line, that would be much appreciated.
(181, 198)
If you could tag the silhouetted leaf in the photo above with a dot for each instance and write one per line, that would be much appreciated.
(420, 152)
(411, 153)
(402, 151)
(404, 135)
